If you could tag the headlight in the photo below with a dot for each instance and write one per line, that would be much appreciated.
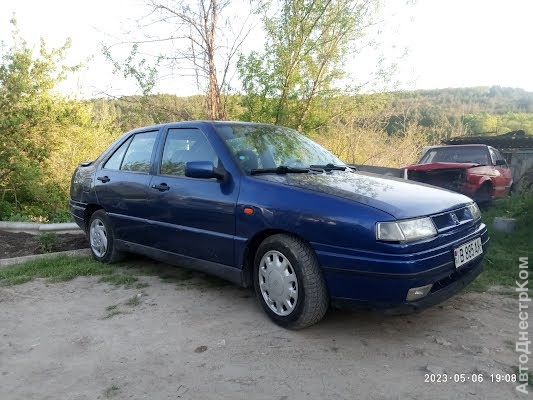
(474, 211)
(403, 231)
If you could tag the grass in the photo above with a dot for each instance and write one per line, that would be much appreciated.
(126, 274)
(47, 241)
(111, 391)
(112, 313)
(134, 301)
(114, 310)
(57, 269)
(501, 259)
(63, 268)
(126, 280)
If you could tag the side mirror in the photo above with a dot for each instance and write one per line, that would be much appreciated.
(204, 170)
(501, 163)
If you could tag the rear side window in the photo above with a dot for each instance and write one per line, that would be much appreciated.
(116, 159)
(182, 146)
(139, 153)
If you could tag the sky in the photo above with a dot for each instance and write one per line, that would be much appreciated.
(432, 43)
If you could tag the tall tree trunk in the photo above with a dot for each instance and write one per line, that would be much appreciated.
(214, 103)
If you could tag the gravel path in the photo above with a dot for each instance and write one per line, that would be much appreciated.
(88, 340)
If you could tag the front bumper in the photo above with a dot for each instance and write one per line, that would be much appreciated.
(382, 280)
(441, 291)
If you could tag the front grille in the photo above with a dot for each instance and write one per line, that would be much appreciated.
(446, 221)
(455, 275)
(450, 178)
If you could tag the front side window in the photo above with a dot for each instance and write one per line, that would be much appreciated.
(500, 157)
(493, 156)
(268, 146)
(182, 146)
(139, 154)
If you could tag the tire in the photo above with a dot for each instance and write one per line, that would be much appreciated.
(288, 282)
(102, 240)
(484, 195)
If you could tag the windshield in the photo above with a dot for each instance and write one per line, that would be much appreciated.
(267, 146)
(470, 154)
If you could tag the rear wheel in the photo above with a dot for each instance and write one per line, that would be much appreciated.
(288, 282)
(102, 239)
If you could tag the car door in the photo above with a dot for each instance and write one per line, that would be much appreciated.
(504, 178)
(192, 217)
(122, 183)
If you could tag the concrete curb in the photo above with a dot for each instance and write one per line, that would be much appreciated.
(35, 228)
(5, 262)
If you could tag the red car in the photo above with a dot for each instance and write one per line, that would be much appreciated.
(476, 170)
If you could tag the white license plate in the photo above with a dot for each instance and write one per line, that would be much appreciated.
(467, 252)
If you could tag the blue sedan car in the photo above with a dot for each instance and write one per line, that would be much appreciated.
(264, 206)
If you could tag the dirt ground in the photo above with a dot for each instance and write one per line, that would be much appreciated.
(23, 244)
(88, 340)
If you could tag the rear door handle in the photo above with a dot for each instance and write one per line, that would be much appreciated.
(162, 187)
(103, 179)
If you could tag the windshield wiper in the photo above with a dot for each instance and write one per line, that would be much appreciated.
(282, 169)
(328, 167)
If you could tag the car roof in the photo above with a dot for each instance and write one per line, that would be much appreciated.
(457, 145)
(197, 123)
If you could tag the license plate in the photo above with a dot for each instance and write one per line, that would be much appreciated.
(467, 252)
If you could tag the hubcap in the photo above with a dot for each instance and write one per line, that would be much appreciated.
(278, 283)
(98, 237)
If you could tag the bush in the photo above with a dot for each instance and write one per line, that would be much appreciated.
(48, 242)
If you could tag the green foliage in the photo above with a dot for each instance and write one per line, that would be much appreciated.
(501, 260)
(145, 75)
(480, 110)
(481, 123)
(134, 300)
(485, 123)
(131, 112)
(47, 242)
(43, 135)
(61, 268)
(30, 114)
(126, 280)
(307, 43)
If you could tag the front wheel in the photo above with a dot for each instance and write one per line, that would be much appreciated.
(102, 239)
(483, 196)
(288, 282)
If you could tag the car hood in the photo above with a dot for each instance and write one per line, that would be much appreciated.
(440, 165)
(397, 197)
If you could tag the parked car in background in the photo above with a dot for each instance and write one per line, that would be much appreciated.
(264, 206)
(476, 170)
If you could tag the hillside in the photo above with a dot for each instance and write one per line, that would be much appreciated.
(478, 110)
(458, 101)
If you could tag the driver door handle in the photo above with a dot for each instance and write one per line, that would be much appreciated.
(103, 179)
(162, 187)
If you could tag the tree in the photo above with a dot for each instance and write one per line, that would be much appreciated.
(204, 44)
(307, 44)
(481, 123)
(42, 134)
